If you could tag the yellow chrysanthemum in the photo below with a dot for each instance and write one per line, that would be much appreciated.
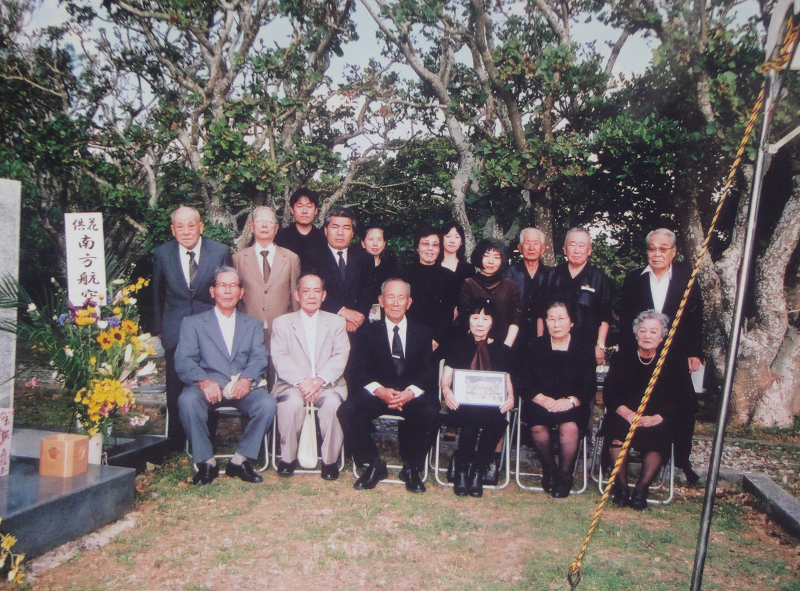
(92, 361)
(117, 311)
(105, 340)
(7, 541)
(129, 326)
(117, 336)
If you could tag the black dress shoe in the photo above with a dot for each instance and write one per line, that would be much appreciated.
(692, 477)
(492, 474)
(639, 500)
(547, 480)
(286, 468)
(561, 487)
(330, 471)
(413, 482)
(620, 495)
(244, 471)
(373, 474)
(475, 480)
(206, 473)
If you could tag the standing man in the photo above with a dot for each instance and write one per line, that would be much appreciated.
(530, 275)
(302, 237)
(587, 287)
(221, 357)
(183, 272)
(346, 270)
(394, 373)
(309, 351)
(269, 273)
(660, 286)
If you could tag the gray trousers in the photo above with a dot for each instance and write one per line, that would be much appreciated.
(258, 406)
(291, 412)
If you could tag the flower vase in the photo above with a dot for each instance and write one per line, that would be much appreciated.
(96, 449)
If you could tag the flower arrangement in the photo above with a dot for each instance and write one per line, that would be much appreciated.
(7, 541)
(97, 350)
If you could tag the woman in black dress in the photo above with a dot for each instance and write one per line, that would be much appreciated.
(560, 383)
(623, 389)
(481, 426)
(452, 257)
(386, 267)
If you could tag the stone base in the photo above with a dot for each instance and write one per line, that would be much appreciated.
(43, 512)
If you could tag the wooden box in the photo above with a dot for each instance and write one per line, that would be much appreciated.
(63, 455)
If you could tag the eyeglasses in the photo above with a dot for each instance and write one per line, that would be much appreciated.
(231, 286)
(266, 223)
(661, 249)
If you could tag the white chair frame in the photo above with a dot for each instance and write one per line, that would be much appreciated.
(276, 455)
(396, 466)
(229, 411)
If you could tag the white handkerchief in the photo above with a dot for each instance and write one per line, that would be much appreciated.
(226, 392)
(588, 288)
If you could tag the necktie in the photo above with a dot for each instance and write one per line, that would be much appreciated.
(341, 264)
(397, 351)
(192, 270)
(265, 253)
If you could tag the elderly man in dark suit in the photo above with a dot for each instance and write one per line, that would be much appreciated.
(221, 358)
(659, 286)
(183, 271)
(394, 373)
(530, 275)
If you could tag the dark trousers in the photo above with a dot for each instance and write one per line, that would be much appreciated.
(481, 430)
(682, 437)
(174, 388)
(415, 433)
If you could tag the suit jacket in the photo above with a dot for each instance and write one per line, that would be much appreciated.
(355, 292)
(273, 299)
(292, 358)
(202, 354)
(172, 301)
(637, 297)
(372, 359)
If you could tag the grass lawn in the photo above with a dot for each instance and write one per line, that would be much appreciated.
(304, 533)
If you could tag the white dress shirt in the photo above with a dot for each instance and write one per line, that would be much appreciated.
(336, 252)
(182, 250)
(228, 327)
(659, 287)
(270, 248)
(403, 325)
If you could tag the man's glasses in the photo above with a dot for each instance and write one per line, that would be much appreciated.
(231, 286)
(661, 249)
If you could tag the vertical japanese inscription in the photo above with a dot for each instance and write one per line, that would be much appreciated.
(86, 269)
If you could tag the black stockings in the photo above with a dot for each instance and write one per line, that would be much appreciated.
(568, 442)
(650, 467)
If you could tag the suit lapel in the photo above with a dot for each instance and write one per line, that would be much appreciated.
(297, 325)
(278, 263)
(178, 269)
(215, 332)
(333, 262)
(238, 334)
(204, 266)
(253, 261)
(675, 290)
(647, 294)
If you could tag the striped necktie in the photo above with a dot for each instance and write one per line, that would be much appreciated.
(192, 270)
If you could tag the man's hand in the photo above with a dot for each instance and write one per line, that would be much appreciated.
(694, 364)
(353, 318)
(241, 388)
(350, 326)
(401, 398)
(599, 355)
(212, 391)
(385, 394)
(310, 388)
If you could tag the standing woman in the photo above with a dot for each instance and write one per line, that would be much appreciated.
(453, 257)
(479, 352)
(491, 258)
(559, 381)
(623, 389)
(386, 267)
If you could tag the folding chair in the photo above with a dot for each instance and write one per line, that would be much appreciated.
(396, 466)
(597, 469)
(519, 473)
(276, 456)
(232, 413)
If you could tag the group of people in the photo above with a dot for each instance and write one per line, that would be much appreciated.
(305, 316)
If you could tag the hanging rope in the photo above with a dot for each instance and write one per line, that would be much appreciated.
(574, 574)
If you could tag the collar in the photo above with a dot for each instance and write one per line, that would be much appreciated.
(222, 318)
(402, 324)
(196, 250)
(649, 269)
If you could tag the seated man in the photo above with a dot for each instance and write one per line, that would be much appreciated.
(395, 373)
(220, 357)
(309, 352)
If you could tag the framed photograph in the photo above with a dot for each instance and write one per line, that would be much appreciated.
(481, 388)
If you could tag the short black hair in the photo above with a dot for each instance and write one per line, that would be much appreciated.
(485, 246)
(424, 232)
(460, 255)
(341, 212)
(485, 305)
(313, 196)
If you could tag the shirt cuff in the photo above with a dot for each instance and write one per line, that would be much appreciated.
(371, 387)
(417, 392)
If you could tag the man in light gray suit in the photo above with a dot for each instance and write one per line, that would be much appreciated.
(309, 352)
(221, 358)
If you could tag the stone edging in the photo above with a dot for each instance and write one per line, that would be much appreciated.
(779, 504)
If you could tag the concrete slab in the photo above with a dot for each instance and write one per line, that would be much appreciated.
(779, 504)
(44, 512)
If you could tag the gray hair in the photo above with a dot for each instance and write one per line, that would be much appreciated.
(264, 208)
(668, 233)
(189, 207)
(304, 275)
(388, 281)
(653, 315)
(528, 231)
(226, 269)
(574, 230)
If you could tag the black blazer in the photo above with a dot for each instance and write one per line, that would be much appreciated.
(355, 292)
(172, 301)
(636, 298)
(372, 359)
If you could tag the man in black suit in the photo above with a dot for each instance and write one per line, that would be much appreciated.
(345, 270)
(530, 275)
(660, 286)
(394, 373)
(183, 272)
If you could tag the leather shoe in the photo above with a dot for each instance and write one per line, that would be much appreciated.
(639, 500)
(475, 481)
(621, 495)
(692, 477)
(413, 482)
(561, 487)
(244, 471)
(547, 480)
(373, 474)
(286, 468)
(206, 473)
(330, 471)
(492, 474)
